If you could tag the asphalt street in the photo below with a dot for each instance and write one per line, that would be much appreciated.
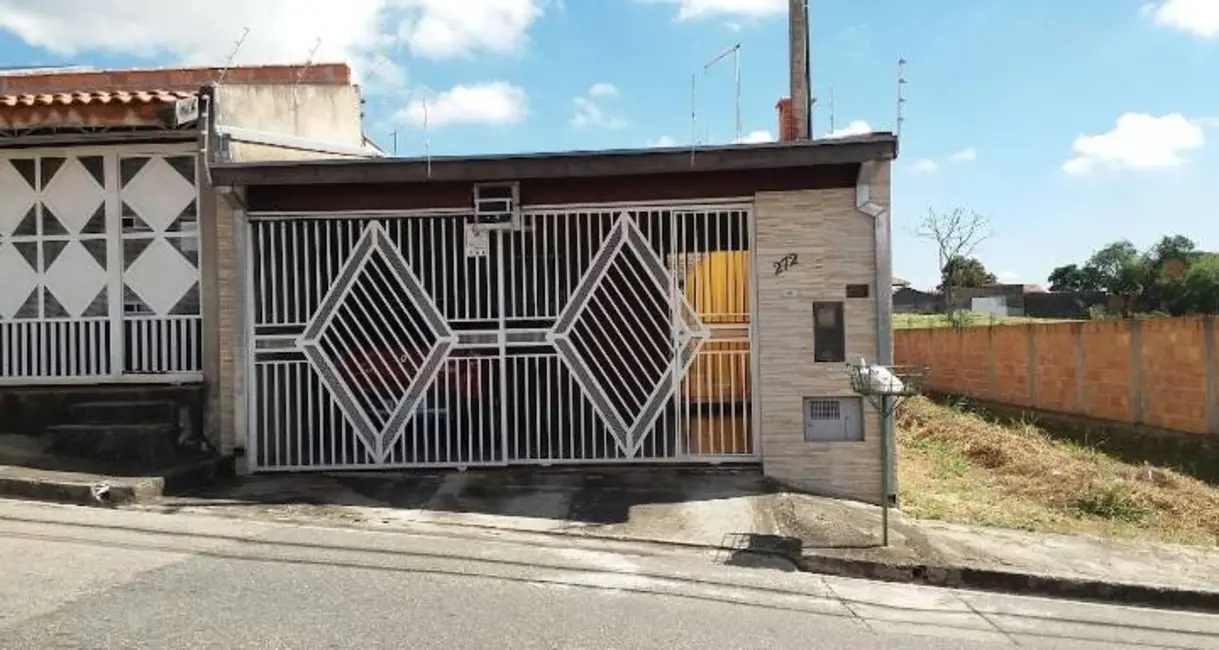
(93, 578)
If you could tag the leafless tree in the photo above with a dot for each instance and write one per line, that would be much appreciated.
(956, 234)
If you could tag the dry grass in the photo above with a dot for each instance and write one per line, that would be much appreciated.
(963, 319)
(958, 467)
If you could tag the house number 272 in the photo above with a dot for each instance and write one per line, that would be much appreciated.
(784, 264)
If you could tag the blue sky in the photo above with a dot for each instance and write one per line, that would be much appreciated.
(1068, 124)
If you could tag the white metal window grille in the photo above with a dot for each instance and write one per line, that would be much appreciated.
(833, 419)
(63, 309)
(591, 335)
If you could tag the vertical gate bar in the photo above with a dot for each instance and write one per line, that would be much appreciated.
(247, 243)
(49, 330)
(262, 246)
(296, 268)
(529, 433)
(755, 414)
(114, 263)
(320, 263)
(718, 247)
(67, 338)
(500, 251)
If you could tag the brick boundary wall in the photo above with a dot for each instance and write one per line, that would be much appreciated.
(1159, 373)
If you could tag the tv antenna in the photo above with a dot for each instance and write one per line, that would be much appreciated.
(427, 139)
(228, 62)
(693, 116)
(901, 97)
(735, 53)
(831, 108)
(300, 76)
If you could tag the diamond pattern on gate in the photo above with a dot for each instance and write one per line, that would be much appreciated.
(377, 341)
(17, 195)
(628, 335)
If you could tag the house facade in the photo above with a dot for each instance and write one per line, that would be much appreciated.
(108, 224)
(643, 306)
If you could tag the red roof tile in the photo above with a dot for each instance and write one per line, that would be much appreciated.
(185, 79)
(95, 97)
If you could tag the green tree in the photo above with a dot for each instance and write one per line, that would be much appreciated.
(1201, 285)
(1073, 278)
(965, 272)
(1166, 263)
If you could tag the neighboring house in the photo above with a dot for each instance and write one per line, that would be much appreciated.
(998, 299)
(639, 306)
(907, 300)
(112, 256)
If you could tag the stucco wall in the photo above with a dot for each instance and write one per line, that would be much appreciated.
(326, 113)
(835, 246)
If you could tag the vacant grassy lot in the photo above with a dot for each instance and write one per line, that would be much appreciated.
(959, 467)
(966, 319)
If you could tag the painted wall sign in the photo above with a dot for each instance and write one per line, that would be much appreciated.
(784, 264)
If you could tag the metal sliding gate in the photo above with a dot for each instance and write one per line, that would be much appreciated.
(593, 335)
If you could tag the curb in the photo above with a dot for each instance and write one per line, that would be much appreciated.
(1015, 583)
(109, 492)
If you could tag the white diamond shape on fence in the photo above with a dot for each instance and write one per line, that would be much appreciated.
(672, 361)
(72, 195)
(16, 198)
(376, 310)
(160, 276)
(158, 193)
(18, 280)
(75, 278)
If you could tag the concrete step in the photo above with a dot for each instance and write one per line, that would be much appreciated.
(141, 442)
(125, 412)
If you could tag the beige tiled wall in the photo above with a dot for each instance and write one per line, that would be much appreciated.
(835, 247)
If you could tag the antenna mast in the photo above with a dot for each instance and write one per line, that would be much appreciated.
(735, 52)
(901, 97)
(693, 115)
(228, 62)
(300, 76)
(427, 139)
(831, 108)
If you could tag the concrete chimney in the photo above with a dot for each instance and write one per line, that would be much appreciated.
(797, 38)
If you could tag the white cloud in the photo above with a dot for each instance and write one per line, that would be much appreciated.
(663, 141)
(924, 166)
(969, 154)
(1008, 277)
(603, 90)
(690, 9)
(589, 110)
(494, 103)
(756, 137)
(441, 29)
(1200, 17)
(1138, 141)
(281, 31)
(858, 127)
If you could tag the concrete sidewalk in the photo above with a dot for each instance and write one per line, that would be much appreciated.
(29, 469)
(736, 513)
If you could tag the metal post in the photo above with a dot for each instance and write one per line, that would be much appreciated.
(885, 473)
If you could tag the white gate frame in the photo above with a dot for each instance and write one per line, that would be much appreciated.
(247, 393)
(114, 255)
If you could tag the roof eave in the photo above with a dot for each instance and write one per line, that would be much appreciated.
(880, 146)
